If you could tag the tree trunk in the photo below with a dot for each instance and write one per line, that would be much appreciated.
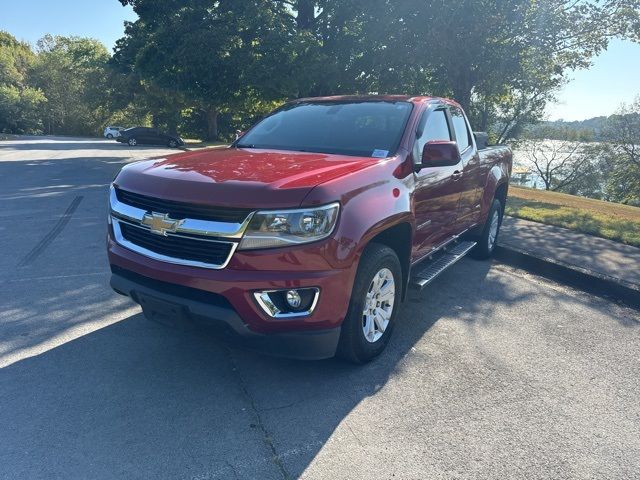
(212, 124)
(305, 14)
(172, 121)
(484, 118)
(462, 95)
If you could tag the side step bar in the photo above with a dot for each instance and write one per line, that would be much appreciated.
(432, 268)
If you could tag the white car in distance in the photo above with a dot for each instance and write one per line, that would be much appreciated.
(112, 132)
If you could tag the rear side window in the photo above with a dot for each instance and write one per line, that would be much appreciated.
(436, 128)
(460, 127)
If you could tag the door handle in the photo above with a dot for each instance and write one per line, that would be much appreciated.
(456, 175)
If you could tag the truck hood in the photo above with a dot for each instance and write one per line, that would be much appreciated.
(244, 178)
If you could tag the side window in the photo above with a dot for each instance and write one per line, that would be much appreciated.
(436, 128)
(460, 127)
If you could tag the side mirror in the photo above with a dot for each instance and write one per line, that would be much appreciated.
(239, 134)
(440, 154)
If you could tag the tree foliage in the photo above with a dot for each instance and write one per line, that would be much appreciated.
(216, 55)
(71, 72)
(562, 166)
(622, 154)
(21, 105)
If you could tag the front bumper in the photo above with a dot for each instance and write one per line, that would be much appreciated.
(227, 296)
(160, 299)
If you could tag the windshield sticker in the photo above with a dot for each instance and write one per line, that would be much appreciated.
(380, 153)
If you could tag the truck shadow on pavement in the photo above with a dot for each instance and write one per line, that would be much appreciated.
(140, 399)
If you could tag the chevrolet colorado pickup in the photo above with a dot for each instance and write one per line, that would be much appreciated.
(304, 235)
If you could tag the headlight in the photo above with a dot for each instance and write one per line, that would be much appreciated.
(270, 229)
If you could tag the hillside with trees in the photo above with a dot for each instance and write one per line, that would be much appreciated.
(597, 158)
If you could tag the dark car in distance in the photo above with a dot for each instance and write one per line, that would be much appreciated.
(148, 136)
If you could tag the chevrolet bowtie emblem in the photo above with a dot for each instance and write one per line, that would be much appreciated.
(160, 223)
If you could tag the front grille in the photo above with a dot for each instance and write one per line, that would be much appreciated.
(178, 247)
(180, 210)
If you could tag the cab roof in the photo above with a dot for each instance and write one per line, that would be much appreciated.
(378, 98)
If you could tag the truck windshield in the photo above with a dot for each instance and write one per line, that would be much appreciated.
(364, 129)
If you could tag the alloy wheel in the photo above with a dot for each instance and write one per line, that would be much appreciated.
(378, 305)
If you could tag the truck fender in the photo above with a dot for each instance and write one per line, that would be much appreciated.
(496, 177)
(397, 233)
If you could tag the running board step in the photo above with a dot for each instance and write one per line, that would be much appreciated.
(435, 267)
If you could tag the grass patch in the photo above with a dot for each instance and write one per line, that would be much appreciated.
(194, 144)
(6, 136)
(594, 217)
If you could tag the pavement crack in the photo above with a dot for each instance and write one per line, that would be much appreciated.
(282, 407)
(354, 435)
(52, 234)
(266, 435)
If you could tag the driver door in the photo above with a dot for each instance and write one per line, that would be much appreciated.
(437, 189)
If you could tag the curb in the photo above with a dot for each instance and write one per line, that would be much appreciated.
(578, 277)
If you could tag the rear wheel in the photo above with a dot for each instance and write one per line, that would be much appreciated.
(132, 142)
(109, 136)
(375, 300)
(489, 236)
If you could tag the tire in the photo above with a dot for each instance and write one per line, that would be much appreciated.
(488, 237)
(109, 136)
(172, 143)
(378, 265)
(132, 142)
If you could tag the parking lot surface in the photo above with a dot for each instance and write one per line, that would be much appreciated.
(491, 373)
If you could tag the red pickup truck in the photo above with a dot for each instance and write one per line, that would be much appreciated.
(304, 235)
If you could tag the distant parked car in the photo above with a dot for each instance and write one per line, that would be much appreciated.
(148, 136)
(112, 132)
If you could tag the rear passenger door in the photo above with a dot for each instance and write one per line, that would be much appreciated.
(437, 191)
(470, 188)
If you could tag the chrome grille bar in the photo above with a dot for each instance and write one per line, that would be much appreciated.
(188, 226)
(188, 229)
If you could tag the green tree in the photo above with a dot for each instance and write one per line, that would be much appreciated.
(503, 61)
(211, 56)
(622, 154)
(72, 73)
(21, 105)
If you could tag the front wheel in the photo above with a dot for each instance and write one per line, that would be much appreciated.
(172, 143)
(109, 136)
(489, 235)
(132, 142)
(375, 300)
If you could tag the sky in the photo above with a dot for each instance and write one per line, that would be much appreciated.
(614, 77)
(31, 19)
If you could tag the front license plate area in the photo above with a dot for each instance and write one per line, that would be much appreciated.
(161, 311)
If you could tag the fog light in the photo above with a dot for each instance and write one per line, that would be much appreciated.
(285, 303)
(293, 299)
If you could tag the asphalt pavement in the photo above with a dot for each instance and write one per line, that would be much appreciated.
(492, 373)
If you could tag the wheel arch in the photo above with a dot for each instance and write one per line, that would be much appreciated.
(501, 192)
(496, 186)
(397, 237)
